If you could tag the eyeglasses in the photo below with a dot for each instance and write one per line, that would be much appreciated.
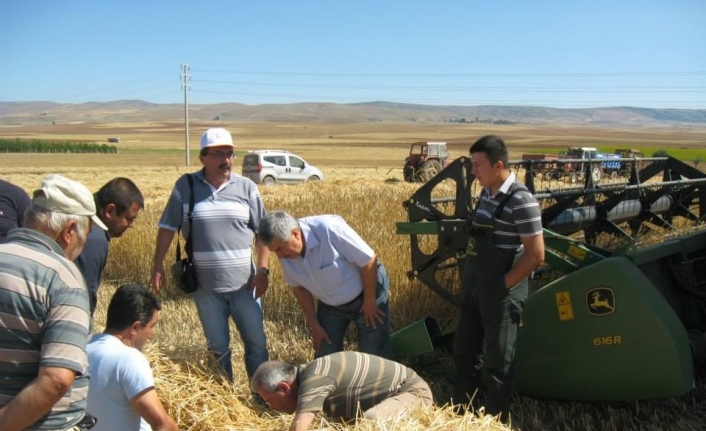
(221, 154)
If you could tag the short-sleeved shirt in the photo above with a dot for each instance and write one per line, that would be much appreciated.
(520, 216)
(118, 374)
(45, 322)
(225, 221)
(340, 383)
(92, 262)
(13, 203)
(330, 267)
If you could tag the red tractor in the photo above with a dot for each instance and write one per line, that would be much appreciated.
(425, 160)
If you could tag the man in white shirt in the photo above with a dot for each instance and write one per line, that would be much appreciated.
(121, 392)
(323, 257)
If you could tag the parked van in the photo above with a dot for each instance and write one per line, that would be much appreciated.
(270, 167)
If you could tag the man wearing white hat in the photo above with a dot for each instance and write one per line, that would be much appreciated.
(44, 302)
(227, 209)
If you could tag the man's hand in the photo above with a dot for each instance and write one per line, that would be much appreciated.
(373, 315)
(260, 282)
(158, 277)
(319, 334)
(164, 238)
(302, 421)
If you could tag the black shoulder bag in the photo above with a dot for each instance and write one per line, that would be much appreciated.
(183, 270)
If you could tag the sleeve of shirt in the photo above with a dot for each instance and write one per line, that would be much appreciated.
(526, 214)
(348, 243)
(92, 261)
(313, 391)
(257, 207)
(174, 211)
(65, 331)
(134, 373)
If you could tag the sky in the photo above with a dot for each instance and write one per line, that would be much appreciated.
(563, 54)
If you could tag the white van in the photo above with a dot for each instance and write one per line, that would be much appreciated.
(270, 167)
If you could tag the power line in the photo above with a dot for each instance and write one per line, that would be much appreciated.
(460, 75)
(643, 89)
(118, 88)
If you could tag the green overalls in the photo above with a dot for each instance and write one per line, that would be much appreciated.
(490, 315)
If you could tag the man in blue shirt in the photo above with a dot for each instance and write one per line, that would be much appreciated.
(323, 257)
(118, 204)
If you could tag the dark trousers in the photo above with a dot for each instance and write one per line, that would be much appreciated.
(485, 340)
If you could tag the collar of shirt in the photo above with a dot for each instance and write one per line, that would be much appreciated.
(200, 176)
(25, 235)
(504, 188)
(310, 240)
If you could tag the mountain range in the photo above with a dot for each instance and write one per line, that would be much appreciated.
(131, 111)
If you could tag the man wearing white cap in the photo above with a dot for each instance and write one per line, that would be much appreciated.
(227, 209)
(44, 302)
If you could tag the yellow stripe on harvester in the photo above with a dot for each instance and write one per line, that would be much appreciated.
(563, 305)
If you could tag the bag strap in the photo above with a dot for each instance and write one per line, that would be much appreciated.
(187, 246)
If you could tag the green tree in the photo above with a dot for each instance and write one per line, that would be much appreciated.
(660, 153)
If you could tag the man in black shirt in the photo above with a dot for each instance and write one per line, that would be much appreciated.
(13, 203)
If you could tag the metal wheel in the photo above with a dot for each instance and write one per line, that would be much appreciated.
(269, 181)
(429, 170)
(314, 178)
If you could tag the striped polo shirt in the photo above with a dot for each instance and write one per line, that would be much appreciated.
(520, 216)
(224, 224)
(44, 321)
(340, 383)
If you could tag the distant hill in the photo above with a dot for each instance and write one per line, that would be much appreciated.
(130, 111)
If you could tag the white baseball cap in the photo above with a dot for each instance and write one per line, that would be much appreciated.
(62, 195)
(216, 137)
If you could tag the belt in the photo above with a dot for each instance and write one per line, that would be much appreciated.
(88, 422)
(351, 301)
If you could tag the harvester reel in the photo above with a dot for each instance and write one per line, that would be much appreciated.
(596, 174)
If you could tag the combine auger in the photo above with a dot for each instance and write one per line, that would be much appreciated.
(619, 312)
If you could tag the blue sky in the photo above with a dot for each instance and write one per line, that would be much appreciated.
(566, 54)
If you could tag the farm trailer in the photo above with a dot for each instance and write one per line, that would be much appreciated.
(609, 323)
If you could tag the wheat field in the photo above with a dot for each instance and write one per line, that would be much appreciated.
(363, 166)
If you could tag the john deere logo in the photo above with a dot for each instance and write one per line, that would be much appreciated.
(600, 301)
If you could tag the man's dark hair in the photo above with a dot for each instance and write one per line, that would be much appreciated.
(493, 147)
(130, 303)
(121, 192)
(204, 151)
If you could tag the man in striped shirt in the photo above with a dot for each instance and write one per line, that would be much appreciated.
(505, 245)
(227, 209)
(44, 312)
(341, 385)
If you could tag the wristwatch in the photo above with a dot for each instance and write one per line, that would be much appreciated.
(264, 270)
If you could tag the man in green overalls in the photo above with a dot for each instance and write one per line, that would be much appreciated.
(505, 245)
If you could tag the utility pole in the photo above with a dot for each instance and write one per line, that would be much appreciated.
(185, 85)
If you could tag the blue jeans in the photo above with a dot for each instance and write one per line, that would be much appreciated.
(214, 310)
(335, 321)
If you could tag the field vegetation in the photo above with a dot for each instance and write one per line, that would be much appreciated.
(363, 167)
